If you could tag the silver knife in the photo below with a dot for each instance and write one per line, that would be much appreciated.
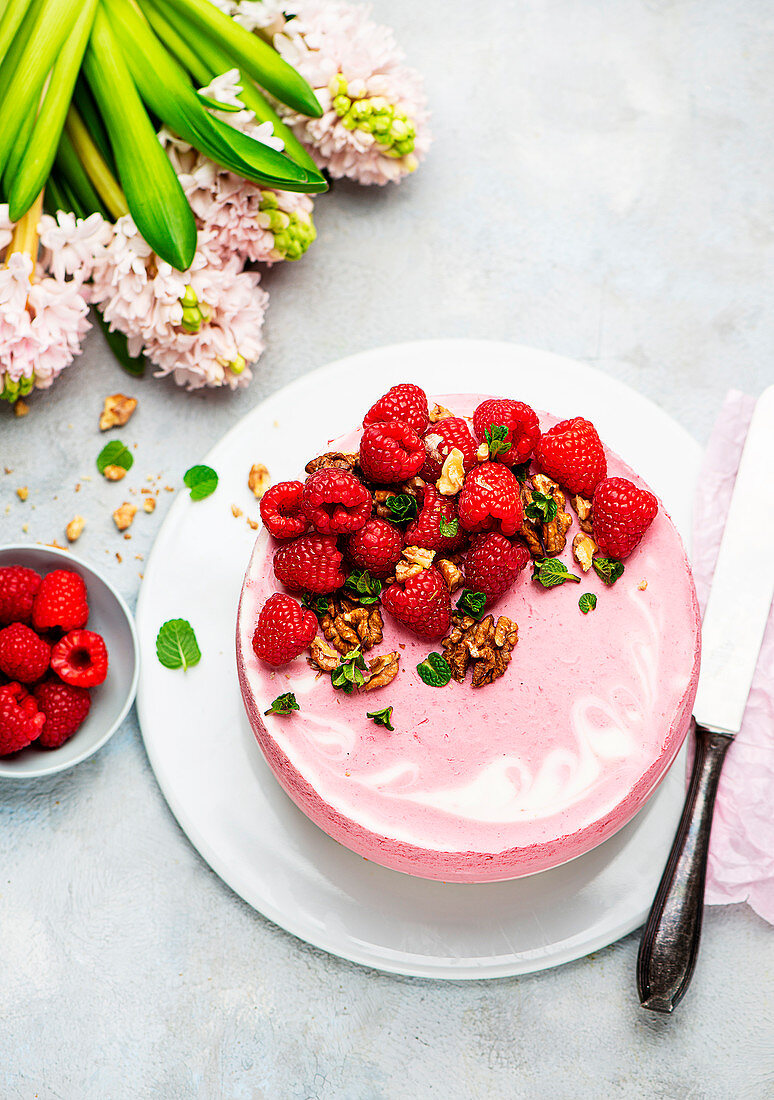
(732, 634)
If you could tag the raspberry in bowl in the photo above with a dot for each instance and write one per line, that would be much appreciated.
(69, 661)
(509, 692)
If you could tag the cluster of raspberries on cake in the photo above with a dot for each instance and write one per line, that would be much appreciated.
(431, 505)
(48, 661)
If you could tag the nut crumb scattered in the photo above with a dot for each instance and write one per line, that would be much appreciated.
(119, 559)
(258, 480)
(114, 473)
(236, 511)
(22, 492)
(642, 586)
(117, 410)
(20, 408)
(124, 515)
(74, 528)
(127, 536)
(169, 488)
(149, 504)
(8, 469)
(78, 487)
(253, 524)
(25, 527)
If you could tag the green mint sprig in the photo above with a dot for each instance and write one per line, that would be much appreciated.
(497, 440)
(381, 717)
(283, 704)
(114, 453)
(348, 676)
(450, 529)
(521, 472)
(317, 604)
(471, 603)
(176, 645)
(202, 481)
(587, 602)
(608, 569)
(541, 508)
(435, 670)
(550, 572)
(404, 507)
(364, 586)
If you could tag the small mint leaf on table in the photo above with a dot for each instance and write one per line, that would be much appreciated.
(365, 587)
(471, 603)
(497, 439)
(176, 645)
(403, 507)
(202, 481)
(348, 675)
(550, 572)
(608, 569)
(283, 704)
(114, 453)
(381, 717)
(435, 670)
(587, 602)
(541, 508)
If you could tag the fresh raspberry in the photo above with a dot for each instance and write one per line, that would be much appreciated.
(443, 437)
(391, 452)
(422, 603)
(60, 601)
(18, 586)
(20, 721)
(23, 655)
(65, 708)
(406, 403)
(520, 420)
(572, 453)
(336, 502)
(425, 531)
(281, 510)
(491, 498)
(311, 563)
(283, 631)
(377, 547)
(492, 564)
(621, 514)
(80, 658)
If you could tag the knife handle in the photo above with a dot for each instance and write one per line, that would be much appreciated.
(670, 943)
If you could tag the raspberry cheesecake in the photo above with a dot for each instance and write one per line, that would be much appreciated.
(468, 641)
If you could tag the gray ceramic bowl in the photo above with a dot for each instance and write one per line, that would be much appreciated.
(110, 702)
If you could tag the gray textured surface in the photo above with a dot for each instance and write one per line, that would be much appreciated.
(600, 186)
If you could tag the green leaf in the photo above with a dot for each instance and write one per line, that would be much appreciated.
(71, 171)
(202, 481)
(608, 569)
(541, 509)
(435, 670)
(176, 645)
(216, 105)
(587, 602)
(366, 587)
(471, 603)
(114, 453)
(283, 704)
(497, 439)
(449, 530)
(521, 472)
(315, 603)
(381, 717)
(348, 676)
(167, 32)
(10, 20)
(550, 572)
(403, 506)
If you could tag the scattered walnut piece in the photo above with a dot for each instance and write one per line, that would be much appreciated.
(414, 487)
(149, 504)
(380, 498)
(452, 474)
(545, 540)
(20, 408)
(22, 492)
(582, 508)
(418, 555)
(337, 459)
(117, 410)
(348, 624)
(485, 646)
(124, 515)
(438, 412)
(482, 454)
(236, 511)
(322, 656)
(382, 671)
(405, 570)
(642, 586)
(451, 574)
(114, 473)
(583, 550)
(253, 524)
(258, 480)
(74, 528)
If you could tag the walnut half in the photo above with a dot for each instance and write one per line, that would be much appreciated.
(382, 671)
(486, 646)
(347, 625)
(337, 459)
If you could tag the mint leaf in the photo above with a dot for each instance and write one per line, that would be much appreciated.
(550, 572)
(366, 587)
(176, 645)
(472, 603)
(283, 704)
(381, 717)
(315, 603)
(587, 602)
(541, 508)
(403, 507)
(450, 529)
(348, 675)
(608, 569)
(521, 472)
(114, 453)
(202, 481)
(497, 439)
(435, 670)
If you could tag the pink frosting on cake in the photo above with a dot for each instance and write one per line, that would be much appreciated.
(515, 777)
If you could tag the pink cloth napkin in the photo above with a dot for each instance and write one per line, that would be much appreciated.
(741, 856)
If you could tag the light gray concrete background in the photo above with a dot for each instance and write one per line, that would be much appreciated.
(600, 186)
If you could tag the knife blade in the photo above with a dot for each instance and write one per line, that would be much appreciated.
(732, 632)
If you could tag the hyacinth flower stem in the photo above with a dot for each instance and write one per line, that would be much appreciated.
(27, 173)
(250, 53)
(83, 101)
(25, 234)
(105, 183)
(77, 178)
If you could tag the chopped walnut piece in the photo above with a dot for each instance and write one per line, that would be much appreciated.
(451, 574)
(380, 497)
(418, 555)
(336, 459)
(236, 511)
(382, 671)
(114, 473)
(642, 586)
(347, 624)
(583, 550)
(252, 524)
(149, 504)
(485, 646)
(22, 492)
(405, 570)
(74, 528)
(258, 480)
(482, 454)
(452, 474)
(413, 487)
(322, 656)
(438, 412)
(124, 515)
(20, 407)
(545, 540)
(582, 508)
(117, 410)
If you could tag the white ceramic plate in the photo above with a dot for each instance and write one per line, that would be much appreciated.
(214, 775)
